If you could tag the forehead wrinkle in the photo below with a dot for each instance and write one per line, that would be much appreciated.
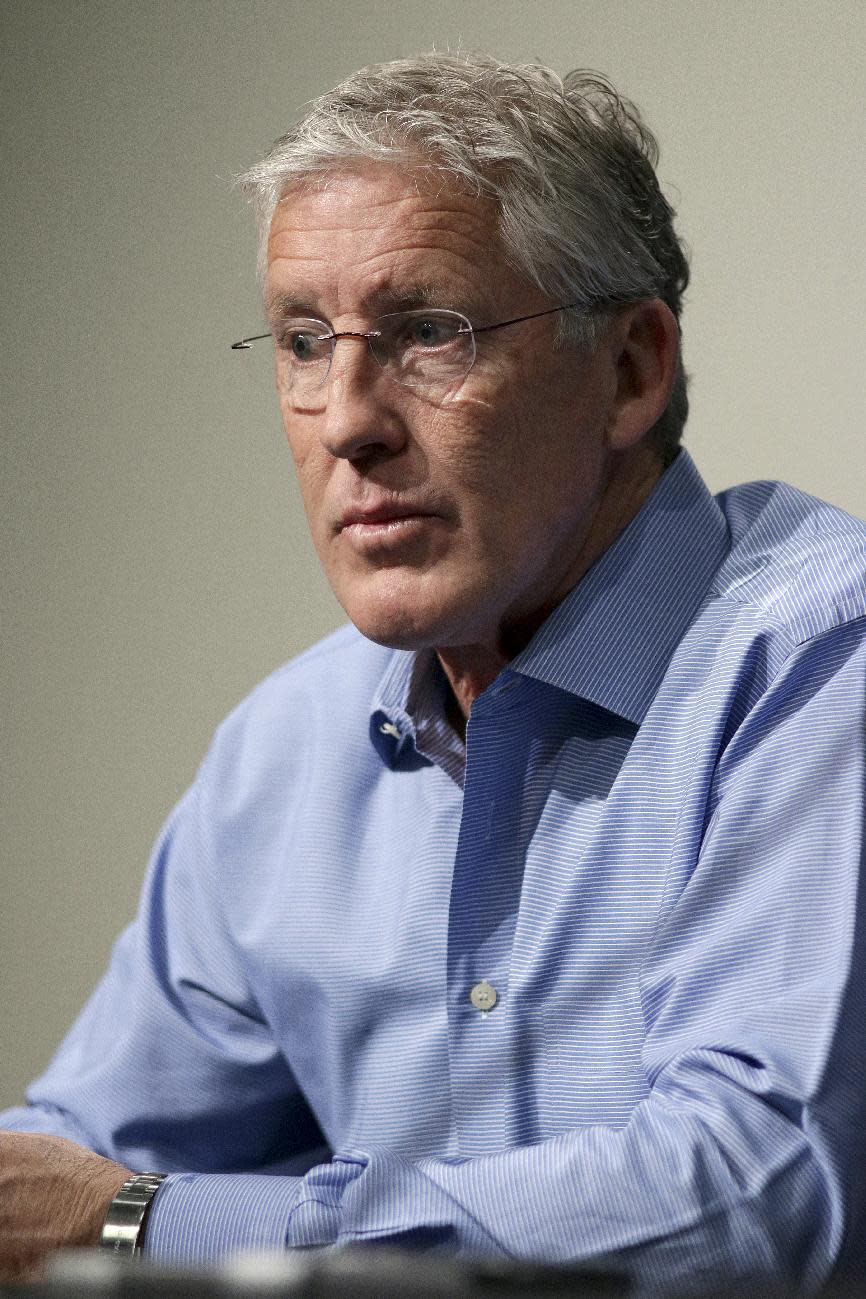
(385, 247)
(354, 200)
(422, 230)
(395, 277)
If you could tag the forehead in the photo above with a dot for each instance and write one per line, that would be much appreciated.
(372, 233)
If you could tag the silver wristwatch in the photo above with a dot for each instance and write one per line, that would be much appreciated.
(123, 1230)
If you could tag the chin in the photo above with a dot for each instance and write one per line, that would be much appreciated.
(396, 632)
(398, 615)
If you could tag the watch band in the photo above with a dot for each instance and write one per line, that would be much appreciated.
(123, 1229)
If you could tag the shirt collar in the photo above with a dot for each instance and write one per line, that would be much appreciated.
(612, 637)
(408, 711)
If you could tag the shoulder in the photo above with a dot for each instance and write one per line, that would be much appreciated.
(296, 751)
(344, 665)
(319, 701)
(799, 563)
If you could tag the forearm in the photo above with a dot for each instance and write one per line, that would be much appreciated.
(669, 1199)
(719, 1188)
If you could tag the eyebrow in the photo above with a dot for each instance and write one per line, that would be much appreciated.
(283, 305)
(405, 298)
(410, 297)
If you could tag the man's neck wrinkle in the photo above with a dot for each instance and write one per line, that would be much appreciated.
(469, 669)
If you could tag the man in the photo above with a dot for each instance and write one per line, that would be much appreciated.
(522, 917)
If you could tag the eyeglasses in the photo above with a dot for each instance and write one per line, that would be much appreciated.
(428, 351)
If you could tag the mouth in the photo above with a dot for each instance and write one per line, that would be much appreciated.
(382, 518)
(387, 532)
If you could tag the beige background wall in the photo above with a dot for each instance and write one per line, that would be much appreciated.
(155, 556)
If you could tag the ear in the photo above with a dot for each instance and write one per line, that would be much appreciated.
(645, 340)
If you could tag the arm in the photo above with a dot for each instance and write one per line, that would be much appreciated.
(170, 1065)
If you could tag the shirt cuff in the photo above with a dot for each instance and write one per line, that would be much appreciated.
(200, 1218)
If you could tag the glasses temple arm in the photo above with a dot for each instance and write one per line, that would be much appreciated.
(500, 324)
(244, 344)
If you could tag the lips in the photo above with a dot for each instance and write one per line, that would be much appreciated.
(381, 513)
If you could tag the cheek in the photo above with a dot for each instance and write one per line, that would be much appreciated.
(472, 446)
(297, 436)
(494, 459)
(311, 479)
(306, 452)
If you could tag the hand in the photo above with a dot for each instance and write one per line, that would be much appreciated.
(53, 1195)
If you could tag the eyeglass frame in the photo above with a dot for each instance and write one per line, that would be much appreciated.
(244, 344)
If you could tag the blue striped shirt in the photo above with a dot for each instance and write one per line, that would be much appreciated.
(590, 989)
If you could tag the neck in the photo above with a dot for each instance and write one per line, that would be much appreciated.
(471, 668)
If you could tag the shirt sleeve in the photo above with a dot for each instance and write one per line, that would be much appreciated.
(171, 1065)
(746, 1159)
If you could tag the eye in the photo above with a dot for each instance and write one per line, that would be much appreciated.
(303, 341)
(304, 345)
(427, 332)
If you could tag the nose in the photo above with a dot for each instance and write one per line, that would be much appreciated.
(361, 416)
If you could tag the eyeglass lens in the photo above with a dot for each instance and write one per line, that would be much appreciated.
(430, 352)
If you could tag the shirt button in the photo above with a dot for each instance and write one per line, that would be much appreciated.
(483, 995)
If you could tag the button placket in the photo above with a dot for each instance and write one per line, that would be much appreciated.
(485, 897)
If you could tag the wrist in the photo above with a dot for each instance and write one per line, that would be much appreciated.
(126, 1220)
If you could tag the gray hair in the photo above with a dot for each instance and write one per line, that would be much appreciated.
(569, 163)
